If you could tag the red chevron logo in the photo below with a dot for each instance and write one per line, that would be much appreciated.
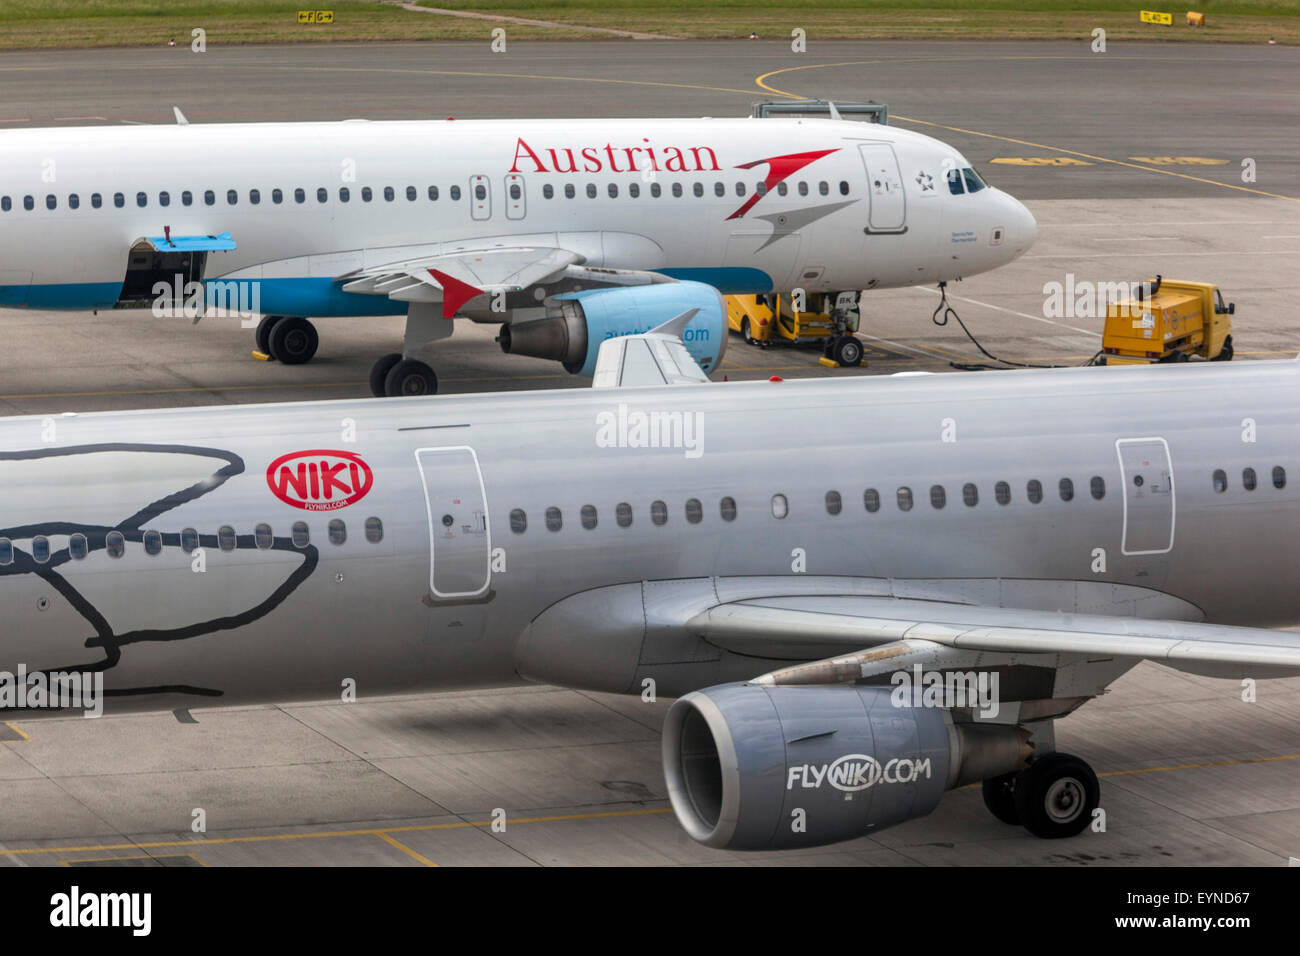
(779, 168)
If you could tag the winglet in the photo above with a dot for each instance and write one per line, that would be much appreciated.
(676, 325)
(656, 357)
(180, 117)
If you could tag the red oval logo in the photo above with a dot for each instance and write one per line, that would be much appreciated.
(319, 479)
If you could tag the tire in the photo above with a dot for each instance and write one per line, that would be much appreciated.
(293, 340)
(1225, 353)
(847, 350)
(410, 378)
(1055, 796)
(263, 334)
(1000, 798)
(747, 331)
(379, 373)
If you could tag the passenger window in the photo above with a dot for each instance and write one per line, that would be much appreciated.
(374, 530)
(226, 539)
(189, 540)
(344, 194)
(518, 521)
(554, 520)
(1067, 489)
(780, 507)
(658, 512)
(78, 546)
(970, 495)
(300, 534)
(719, 189)
(299, 195)
(834, 504)
(118, 200)
(164, 198)
(698, 190)
(655, 190)
(588, 516)
(782, 188)
(633, 190)
(480, 192)
(1034, 491)
(454, 192)
(1279, 476)
(727, 507)
(1248, 480)
(433, 194)
(141, 199)
(6, 551)
(187, 198)
(803, 189)
(954, 182)
(96, 201)
(591, 190)
(51, 202)
(209, 197)
(41, 548)
(740, 189)
(1220, 480)
(73, 200)
(277, 196)
(411, 194)
(548, 191)
(613, 191)
(1002, 493)
(904, 499)
(366, 194)
(263, 536)
(760, 188)
(338, 531)
(569, 191)
(153, 542)
(871, 500)
(322, 194)
(938, 497)
(115, 544)
(694, 511)
(824, 188)
(389, 194)
(1098, 487)
(254, 197)
(623, 514)
(677, 190)
(6, 204)
(232, 197)
(844, 187)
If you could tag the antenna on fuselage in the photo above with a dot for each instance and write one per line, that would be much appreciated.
(180, 117)
(835, 114)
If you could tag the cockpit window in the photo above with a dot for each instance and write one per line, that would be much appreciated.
(973, 182)
(954, 182)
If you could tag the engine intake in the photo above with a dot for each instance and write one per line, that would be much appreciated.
(769, 768)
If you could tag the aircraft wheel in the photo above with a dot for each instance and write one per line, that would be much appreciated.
(262, 336)
(410, 377)
(379, 373)
(293, 340)
(746, 331)
(1000, 798)
(1225, 353)
(1055, 796)
(847, 350)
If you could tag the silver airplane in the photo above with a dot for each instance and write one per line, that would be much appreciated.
(857, 610)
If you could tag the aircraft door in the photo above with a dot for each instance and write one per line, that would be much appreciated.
(885, 188)
(1148, 478)
(480, 198)
(460, 544)
(515, 197)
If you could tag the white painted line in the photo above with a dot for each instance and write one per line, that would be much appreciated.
(1111, 255)
(998, 308)
(1141, 239)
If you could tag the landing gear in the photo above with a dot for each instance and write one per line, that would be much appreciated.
(400, 373)
(1000, 798)
(1056, 795)
(846, 350)
(410, 377)
(290, 339)
(379, 373)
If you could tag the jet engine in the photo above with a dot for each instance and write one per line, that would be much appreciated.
(770, 768)
(578, 322)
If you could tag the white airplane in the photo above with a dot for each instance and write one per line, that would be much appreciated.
(566, 232)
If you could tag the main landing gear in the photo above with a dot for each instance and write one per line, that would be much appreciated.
(400, 374)
(290, 339)
(1053, 797)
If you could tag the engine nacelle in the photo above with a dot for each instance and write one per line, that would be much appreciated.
(770, 768)
(581, 321)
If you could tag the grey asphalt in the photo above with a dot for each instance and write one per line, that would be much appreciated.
(1191, 775)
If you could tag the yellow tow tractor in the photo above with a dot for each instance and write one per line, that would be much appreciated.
(761, 319)
(1168, 322)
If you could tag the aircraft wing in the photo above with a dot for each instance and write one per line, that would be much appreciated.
(657, 357)
(896, 630)
(455, 278)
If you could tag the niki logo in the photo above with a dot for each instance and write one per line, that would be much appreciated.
(319, 479)
(779, 168)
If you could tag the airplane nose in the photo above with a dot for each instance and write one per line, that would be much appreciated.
(1022, 228)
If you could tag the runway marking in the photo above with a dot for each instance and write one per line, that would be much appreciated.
(1134, 252)
(120, 859)
(406, 849)
(548, 24)
(998, 308)
(1198, 766)
(759, 81)
(377, 831)
(14, 728)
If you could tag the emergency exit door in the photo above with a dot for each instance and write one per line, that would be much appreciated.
(460, 545)
(885, 188)
(1148, 478)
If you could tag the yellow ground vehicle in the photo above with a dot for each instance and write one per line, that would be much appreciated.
(763, 318)
(1168, 322)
